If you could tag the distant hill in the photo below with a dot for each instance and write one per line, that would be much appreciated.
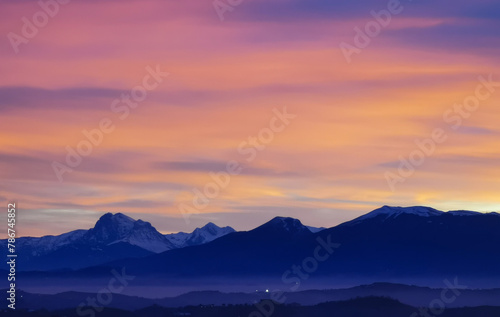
(359, 307)
(409, 295)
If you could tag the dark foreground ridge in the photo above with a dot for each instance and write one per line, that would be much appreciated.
(409, 295)
(360, 307)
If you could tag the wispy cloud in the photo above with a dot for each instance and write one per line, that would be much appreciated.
(353, 121)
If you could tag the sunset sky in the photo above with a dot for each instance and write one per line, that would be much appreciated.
(353, 121)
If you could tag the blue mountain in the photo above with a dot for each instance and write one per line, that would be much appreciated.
(389, 242)
(114, 237)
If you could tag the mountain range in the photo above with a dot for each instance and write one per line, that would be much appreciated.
(201, 235)
(114, 236)
(390, 244)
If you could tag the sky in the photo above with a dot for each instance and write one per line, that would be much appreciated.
(325, 110)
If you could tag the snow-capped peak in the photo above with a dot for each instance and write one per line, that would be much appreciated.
(202, 235)
(210, 227)
(394, 212)
(119, 217)
(463, 213)
(115, 228)
(43, 245)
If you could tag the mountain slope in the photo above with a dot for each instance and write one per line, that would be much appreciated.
(390, 242)
(418, 241)
(207, 233)
(111, 229)
(261, 251)
(315, 229)
(113, 237)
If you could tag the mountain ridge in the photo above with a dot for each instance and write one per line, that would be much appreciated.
(113, 237)
(385, 243)
(390, 230)
(205, 234)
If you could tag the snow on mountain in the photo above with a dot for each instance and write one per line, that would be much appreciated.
(46, 244)
(178, 239)
(417, 242)
(117, 228)
(315, 229)
(463, 213)
(114, 229)
(109, 229)
(207, 233)
(394, 212)
(387, 212)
